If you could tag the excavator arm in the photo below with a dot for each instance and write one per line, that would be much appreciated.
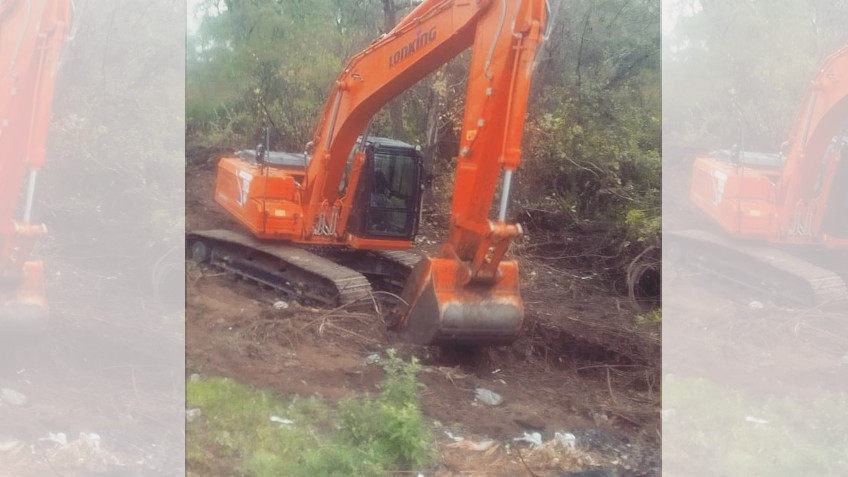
(469, 295)
(32, 33)
(503, 36)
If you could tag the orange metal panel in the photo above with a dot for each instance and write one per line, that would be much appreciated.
(377, 244)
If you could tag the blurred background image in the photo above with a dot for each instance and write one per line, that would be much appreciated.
(755, 256)
(99, 388)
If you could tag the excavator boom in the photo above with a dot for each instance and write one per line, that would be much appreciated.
(469, 295)
(32, 33)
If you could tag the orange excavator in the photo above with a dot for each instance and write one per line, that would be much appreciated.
(32, 34)
(358, 197)
(795, 199)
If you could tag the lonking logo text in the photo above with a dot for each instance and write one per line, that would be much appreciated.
(421, 38)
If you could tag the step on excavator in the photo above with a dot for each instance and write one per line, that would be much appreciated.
(32, 34)
(357, 198)
(769, 206)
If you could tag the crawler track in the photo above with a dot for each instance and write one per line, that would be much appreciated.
(785, 278)
(325, 279)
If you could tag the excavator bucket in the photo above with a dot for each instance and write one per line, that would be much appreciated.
(442, 311)
(22, 304)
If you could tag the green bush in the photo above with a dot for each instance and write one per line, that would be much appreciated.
(653, 316)
(391, 426)
(377, 434)
(642, 228)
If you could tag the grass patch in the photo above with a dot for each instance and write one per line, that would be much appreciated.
(363, 437)
(649, 317)
(724, 432)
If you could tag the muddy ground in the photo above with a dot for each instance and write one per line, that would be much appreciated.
(581, 366)
(100, 390)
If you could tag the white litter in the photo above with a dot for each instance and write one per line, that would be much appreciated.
(473, 446)
(13, 397)
(534, 438)
(58, 438)
(282, 420)
(193, 414)
(756, 420)
(90, 439)
(487, 396)
(567, 439)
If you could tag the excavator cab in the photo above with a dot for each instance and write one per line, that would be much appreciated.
(387, 199)
(834, 222)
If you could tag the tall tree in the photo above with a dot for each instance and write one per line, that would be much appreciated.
(734, 72)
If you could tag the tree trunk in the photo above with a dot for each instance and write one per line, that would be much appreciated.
(395, 106)
(431, 146)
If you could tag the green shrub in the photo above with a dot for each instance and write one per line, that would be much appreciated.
(391, 426)
(642, 228)
(377, 434)
(653, 316)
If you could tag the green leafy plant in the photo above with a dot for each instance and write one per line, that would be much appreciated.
(653, 316)
(392, 424)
